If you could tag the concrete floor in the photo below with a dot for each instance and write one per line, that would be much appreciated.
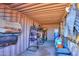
(46, 49)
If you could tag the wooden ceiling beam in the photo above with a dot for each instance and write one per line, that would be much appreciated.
(49, 23)
(46, 19)
(36, 6)
(16, 4)
(46, 7)
(56, 18)
(25, 6)
(45, 23)
(44, 10)
(47, 14)
(43, 7)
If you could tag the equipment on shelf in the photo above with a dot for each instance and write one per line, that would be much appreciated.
(56, 33)
(9, 33)
(44, 34)
(58, 39)
(33, 41)
(37, 36)
(58, 42)
(7, 39)
(41, 35)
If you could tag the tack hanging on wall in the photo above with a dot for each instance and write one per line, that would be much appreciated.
(8, 32)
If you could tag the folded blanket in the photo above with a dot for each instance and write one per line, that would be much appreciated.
(8, 30)
(14, 25)
(2, 30)
(9, 25)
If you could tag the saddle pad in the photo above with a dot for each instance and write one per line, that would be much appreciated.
(63, 51)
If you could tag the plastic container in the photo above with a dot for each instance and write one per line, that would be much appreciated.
(60, 46)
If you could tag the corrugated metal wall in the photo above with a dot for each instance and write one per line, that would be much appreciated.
(22, 44)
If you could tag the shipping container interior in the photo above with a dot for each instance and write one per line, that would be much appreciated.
(39, 29)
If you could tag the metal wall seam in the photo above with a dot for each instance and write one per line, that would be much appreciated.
(16, 43)
(25, 34)
(22, 33)
(20, 38)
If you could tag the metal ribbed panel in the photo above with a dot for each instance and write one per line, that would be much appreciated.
(24, 36)
(6, 51)
(22, 39)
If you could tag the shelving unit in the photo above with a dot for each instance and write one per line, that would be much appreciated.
(8, 38)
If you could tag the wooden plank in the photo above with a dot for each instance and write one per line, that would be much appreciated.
(47, 19)
(51, 6)
(45, 10)
(52, 21)
(25, 6)
(47, 15)
(49, 23)
(16, 4)
(36, 6)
